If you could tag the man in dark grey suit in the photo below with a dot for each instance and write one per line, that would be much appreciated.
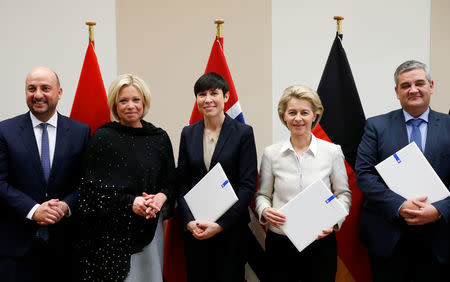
(407, 239)
(40, 153)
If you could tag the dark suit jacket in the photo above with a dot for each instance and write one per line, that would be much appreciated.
(22, 182)
(235, 151)
(381, 226)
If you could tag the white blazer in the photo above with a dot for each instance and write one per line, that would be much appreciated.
(283, 174)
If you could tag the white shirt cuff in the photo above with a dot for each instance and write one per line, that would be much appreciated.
(69, 212)
(399, 208)
(31, 213)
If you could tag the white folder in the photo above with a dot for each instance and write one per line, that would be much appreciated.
(311, 211)
(212, 196)
(409, 174)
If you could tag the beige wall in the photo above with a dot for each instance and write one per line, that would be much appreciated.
(52, 33)
(303, 32)
(440, 54)
(168, 44)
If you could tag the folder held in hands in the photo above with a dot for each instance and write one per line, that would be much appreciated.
(409, 174)
(311, 211)
(212, 196)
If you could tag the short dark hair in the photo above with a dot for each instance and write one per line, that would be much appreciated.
(210, 80)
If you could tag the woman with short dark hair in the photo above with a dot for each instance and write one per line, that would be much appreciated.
(216, 251)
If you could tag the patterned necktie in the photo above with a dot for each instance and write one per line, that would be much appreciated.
(416, 136)
(45, 151)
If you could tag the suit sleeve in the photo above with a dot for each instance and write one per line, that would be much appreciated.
(9, 195)
(376, 192)
(71, 197)
(443, 206)
(184, 180)
(247, 174)
(441, 162)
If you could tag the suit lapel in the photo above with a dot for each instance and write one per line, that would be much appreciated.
(29, 141)
(225, 133)
(198, 145)
(432, 132)
(400, 130)
(62, 135)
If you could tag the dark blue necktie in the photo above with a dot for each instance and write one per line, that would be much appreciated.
(416, 136)
(45, 161)
(45, 151)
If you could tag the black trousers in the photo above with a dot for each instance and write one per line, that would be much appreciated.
(411, 261)
(317, 262)
(43, 262)
(220, 258)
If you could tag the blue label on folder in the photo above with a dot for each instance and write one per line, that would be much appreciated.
(397, 158)
(329, 199)
(225, 183)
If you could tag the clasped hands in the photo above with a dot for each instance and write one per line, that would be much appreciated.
(202, 230)
(50, 212)
(148, 205)
(277, 219)
(417, 212)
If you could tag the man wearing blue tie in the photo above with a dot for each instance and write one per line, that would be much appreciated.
(407, 239)
(40, 153)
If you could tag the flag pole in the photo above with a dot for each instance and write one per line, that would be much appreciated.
(219, 23)
(91, 30)
(339, 20)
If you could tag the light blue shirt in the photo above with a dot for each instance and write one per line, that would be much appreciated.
(423, 126)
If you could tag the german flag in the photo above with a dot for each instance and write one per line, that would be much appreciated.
(343, 123)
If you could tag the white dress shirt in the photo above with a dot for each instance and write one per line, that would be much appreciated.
(283, 174)
(51, 129)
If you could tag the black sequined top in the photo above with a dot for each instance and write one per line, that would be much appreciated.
(120, 163)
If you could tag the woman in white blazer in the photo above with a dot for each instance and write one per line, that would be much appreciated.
(286, 169)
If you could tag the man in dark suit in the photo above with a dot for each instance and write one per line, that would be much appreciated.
(407, 239)
(40, 155)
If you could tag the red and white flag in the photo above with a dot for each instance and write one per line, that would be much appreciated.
(174, 260)
(90, 105)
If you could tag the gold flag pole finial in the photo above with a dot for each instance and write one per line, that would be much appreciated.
(219, 23)
(339, 20)
(91, 30)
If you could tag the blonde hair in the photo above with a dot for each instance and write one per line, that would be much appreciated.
(125, 80)
(300, 92)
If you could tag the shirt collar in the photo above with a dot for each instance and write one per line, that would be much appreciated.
(423, 116)
(287, 145)
(53, 121)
